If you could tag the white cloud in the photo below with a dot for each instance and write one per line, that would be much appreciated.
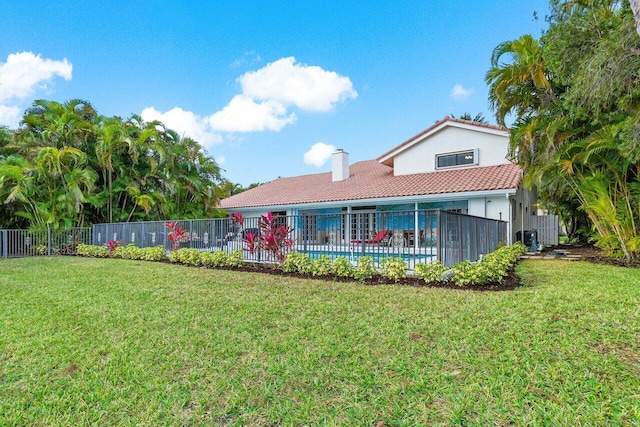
(220, 160)
(249, 57)
(308, 87)
(185, 123)
(21, 76)
(25, 72)
(9, 116)
(459, 93)
(319, 154)
(244, 114)
(265, 101)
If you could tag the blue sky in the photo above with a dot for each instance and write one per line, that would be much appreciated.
(269, 88)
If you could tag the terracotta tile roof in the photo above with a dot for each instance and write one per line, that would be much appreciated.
(372, 180)
(435, 125)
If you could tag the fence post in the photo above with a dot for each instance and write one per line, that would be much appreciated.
(48, 241)
(191, 233)
(438, 238)
(4, 243)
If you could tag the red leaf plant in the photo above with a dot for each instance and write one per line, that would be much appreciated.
(112, 245)
(176, 234)
(274, 237)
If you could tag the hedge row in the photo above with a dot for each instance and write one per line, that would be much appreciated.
(130, 251)
(490, 269)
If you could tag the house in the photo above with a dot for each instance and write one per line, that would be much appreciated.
(454, 165)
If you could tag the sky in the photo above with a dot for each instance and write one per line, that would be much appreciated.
(269, 88)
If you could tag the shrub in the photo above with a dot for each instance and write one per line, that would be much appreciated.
(188, 256)
(342, 267)
(130, 251)
(467, 273)
(394, 268)
(176, 234)
(92, 251)
(322, 266)
(490, 269)
(155, 253)
(365, 268)
(431, 272)
(296, 262)
(236, 259)
(215, 259)
(274, 237)
(112, 245)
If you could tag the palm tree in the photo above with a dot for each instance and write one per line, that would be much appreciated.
(520, 86)
(478, 118)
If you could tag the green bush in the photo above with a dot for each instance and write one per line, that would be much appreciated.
(92, 251)
(129, 251)
(236, 259)
(394, 268)
(215, 259)
(188, 256)
(342, 267)
(297, 262)
(466, 273)
(365, 269)
(155, 253)
(431, 272)
(490, 269)
(322, 266)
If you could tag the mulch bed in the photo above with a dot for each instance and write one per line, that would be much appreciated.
(593, 254)
(510, 282)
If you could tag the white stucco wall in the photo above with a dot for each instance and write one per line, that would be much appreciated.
(421, 157)
(490, 207)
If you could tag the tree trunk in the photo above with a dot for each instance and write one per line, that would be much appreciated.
(635, 6)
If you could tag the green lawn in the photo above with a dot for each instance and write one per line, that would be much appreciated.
(115, 342)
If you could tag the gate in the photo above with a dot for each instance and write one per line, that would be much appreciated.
(547, 227)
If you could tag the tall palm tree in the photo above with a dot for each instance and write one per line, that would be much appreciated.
(521, 85)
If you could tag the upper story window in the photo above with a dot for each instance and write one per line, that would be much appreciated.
(457, 159)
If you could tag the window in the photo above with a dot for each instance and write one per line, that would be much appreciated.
(457, 159)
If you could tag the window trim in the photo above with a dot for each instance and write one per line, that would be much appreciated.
(473, 151)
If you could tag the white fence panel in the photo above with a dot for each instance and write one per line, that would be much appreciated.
(547, 227)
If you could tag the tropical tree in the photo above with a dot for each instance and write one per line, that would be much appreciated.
(574, 97)
(478, 118)
(66, 165)
(519, 85)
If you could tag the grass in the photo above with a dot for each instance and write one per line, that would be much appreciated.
(115, 342)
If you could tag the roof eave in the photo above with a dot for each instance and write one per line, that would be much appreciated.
(387, 200)
(387, 158)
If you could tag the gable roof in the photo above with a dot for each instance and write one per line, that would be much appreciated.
(387, 158)
(372, 180)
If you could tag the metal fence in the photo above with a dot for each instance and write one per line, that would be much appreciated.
(21, 243)
(417, 236)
